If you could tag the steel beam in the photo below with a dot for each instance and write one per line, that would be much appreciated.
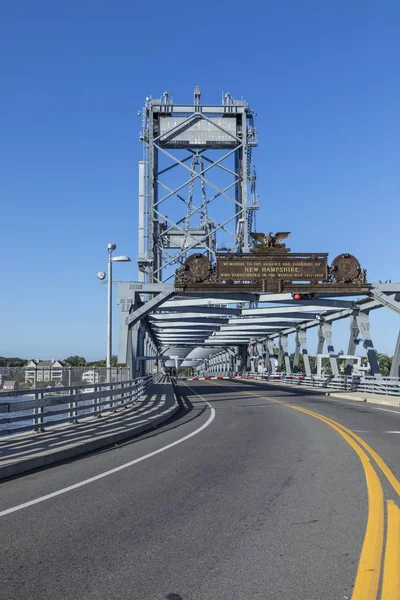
(147, 308)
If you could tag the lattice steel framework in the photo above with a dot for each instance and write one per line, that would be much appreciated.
(208, 146)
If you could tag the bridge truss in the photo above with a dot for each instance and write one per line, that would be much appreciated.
(213, 333)
(196, 185)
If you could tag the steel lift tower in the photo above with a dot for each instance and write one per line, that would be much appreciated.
(196, 186)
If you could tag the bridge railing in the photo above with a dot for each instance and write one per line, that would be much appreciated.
(373, 385)
(389, 386)
(35, 409)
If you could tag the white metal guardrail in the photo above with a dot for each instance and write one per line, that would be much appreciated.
(389, 386)
(25, 410)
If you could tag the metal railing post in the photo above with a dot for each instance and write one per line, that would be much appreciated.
(38, 414)
(72, 412)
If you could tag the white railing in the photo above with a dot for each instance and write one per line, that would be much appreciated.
(24, 410)
(389, 386)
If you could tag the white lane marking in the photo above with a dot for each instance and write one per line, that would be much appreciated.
(359, 431)
(392, 431)
(396, 412)
(75, 486)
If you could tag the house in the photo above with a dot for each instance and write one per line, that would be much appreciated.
(11, 385)
(91, 376)
(44, 370)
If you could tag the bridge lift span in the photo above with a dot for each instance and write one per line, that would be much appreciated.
(197, 194)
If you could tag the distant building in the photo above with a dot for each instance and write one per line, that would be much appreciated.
(91, 376)
(44, 370)
(11, 385)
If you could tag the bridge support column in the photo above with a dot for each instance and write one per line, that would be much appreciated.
(283, 347)
(395, 368)
(302, 339)
(244, 357)
(271, 356)
(296, 353)
(238, 363)
(321, 340)
(364, 326)
(280, 357)
(327, 333)
(351, 348)
(133, 349)
(126, 352)
(147, 352)
(140, 369)
(320, 346)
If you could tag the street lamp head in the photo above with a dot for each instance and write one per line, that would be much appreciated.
(101, 275)
(122, 258)
(111, 246)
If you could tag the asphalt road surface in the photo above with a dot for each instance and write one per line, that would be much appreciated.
(252, 491)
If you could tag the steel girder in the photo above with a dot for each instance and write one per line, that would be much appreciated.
(200, 327)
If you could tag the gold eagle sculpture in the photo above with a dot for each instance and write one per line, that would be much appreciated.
(270, 241)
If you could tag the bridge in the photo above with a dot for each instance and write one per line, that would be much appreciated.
(218, 463)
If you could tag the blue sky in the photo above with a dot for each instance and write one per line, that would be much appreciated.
(322, 77)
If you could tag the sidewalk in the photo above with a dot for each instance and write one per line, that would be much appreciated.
(27, 451)
(365, 397)
(334, 393)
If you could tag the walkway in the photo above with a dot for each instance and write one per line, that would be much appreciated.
(19, 453)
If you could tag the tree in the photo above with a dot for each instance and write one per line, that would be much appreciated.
(103, 363)
(75, 361)
(385, 363)
(12, 362)
(25, 385)
(301, 367)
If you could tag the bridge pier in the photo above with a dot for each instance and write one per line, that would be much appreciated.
(364, 327)
(320, 344)
(132, 349)
(326, 329)
(353, 342)
(284, 343)
(271, 356)
(296, 353)
(302, 340)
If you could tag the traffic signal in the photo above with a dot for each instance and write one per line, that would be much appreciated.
(298, 296)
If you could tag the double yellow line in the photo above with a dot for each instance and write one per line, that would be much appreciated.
(366, 585)
(368, 576)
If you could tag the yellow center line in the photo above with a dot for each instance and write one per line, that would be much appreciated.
(390, 476)
(368, 573)
(391, 573)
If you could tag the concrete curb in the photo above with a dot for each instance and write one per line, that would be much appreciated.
(364, 398)
(54, 456)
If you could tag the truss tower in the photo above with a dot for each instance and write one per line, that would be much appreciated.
(196, 185)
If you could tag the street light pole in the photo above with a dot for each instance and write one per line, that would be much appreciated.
(111, 248)
(101, 275)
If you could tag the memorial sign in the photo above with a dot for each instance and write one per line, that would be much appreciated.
(296, 267)
(271, 267)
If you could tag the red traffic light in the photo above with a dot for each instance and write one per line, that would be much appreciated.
(298, 296)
